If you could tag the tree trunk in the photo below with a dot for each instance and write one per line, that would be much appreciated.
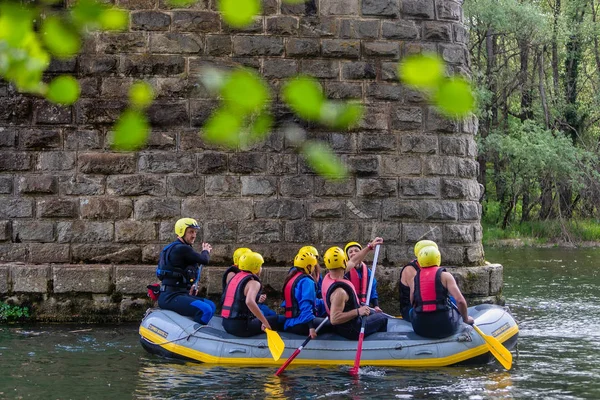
(555, 80)
(525, 207)
(526, 98)
(542, 86)
(546, 201)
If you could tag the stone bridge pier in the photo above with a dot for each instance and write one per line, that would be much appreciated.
(81, 225)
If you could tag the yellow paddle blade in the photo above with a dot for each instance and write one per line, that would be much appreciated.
(276, 345)
(497, 349)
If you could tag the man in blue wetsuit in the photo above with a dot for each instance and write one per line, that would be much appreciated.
(179, 272)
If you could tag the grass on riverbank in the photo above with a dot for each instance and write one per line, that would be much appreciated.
(542, 233)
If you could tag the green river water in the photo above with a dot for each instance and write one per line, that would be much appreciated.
(552, 293)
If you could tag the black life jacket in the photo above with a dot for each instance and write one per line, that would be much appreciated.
(404, 289)
(234, 269)
(168, 273)
(234, 302)
(430, 294)
(292, 310)
(330, 285)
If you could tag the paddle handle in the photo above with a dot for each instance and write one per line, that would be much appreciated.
(299, 349)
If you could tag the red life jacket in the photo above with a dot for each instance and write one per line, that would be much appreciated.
(430, 294)
(330, 285)
(360, 284)
(234, 301)
(291, 303)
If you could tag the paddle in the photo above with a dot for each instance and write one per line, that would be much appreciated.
(361, 336)
(276, 345)
(494, 346)
(299, 349)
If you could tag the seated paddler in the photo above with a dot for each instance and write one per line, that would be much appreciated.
(179, 272)
(360, 274)
(300, 296)
(342, 303)
(433, 315)
(407, 276)
(241, 314)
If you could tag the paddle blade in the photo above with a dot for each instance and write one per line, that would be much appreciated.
(497, 349)
(354, 369)
(276, 345)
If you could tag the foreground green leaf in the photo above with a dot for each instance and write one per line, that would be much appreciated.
(131, 131)
(245, 92)
(223, 128)
(423, 71)
(239, 13)
(341, 115)
(305, 97)
(141, 95)
(323, 160)
(61, 39)
(180, 3)
(455, 98)
(114, 19)
(63, 90)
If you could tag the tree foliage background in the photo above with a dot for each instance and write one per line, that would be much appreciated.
(536, 69)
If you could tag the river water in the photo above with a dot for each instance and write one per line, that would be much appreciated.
(552, 293)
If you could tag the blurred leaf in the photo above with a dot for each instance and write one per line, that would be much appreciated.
(304, 95)
(86, 12)
(131, 131)
(114, 19)
(323, 160)
(239, 13)
(245, 92)
(223, 128)
(60, 39)
(180, 3)
(141, 95)
(423, 71)
(455, 97)
(15, 22)
(260, 128)
(213, 79)
(341, 115)
(63, 90)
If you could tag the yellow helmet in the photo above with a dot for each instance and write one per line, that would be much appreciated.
(182, 224)
(334, 258)
(305, 260)
(238, 253)
(351, 244)
(251, 262)
(309, 249)
(429, 257)
(424, 243)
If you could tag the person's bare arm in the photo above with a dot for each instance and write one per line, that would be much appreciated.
(251, 292)
(337, 315)
(360, 256)
(450, 283)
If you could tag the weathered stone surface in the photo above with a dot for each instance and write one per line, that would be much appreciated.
(325, 69)
(56, 161)
(363, 208)
(83, 139)
(414, 232)
(396, 165)
(4, 282)
(336, 232)
(468, 168)
(454, 53)
(57, 208)
(363, 166)
(165, 162)
(282, 164)
(153, 208)
(39, 139)
(325, 209)
(455, 146)
(342, 48)
(328, 188)
(136, 185)
(107, 163)
(15, 110)
(223, 185)
(258, 185)
(52, 114)
(132, 279)
(358, 70)
(439, 210)
(460, 189)
(5, 230)
(377, 187)
(30, 278)
(185, 185)
(150, 21)
(37, 184)
(300, 232)
(195, 21)
(282, 25)
(496, 280)
(470, 210)
(396, 209)
(340, 7)
(175, 43)
(377, 142)
(343, 90)
(151, 253)
(419, 187)
(222, 232)
(318, 26)
(211, 162)
(419, 144)
(406, 118)
(260, 232)
(448, 10)
(380, 8)
(418, 9)
(169, 114)
(220, 209)
(33, 231)
(135, 65)
(245, 163)
(84, 232)
(458, 233)
(123, 42)
(437, 31)
(15, 208)
(91, 279)
(48, 253)
(385, 49)
(81, 185)
(302, 47)
(98, 65)
(218, 45)
(278, 69)
(6, 184)
(390, 231)
(10, 252)
(99, 111)
(473, 281)
(376, 117)
(135, 231)
(399, 30)
(257, 46)
(440, 166)
(278, 209)
(106, 253)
